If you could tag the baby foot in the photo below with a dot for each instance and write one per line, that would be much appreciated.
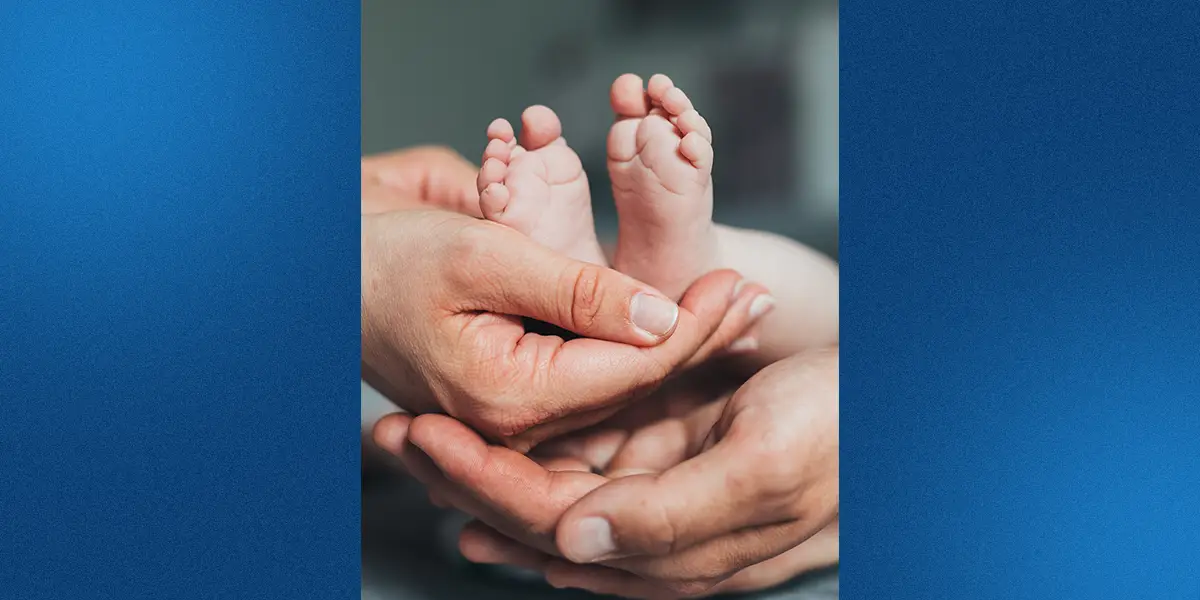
(538, 187)
(660, 160)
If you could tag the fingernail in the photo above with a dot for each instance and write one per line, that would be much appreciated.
(592, 540)
(737, 289)
(653, 314)
(760, 306)
(746, 344)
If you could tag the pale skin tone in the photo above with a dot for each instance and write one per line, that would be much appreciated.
(660, 159)
(534, 184)
(439, 295)
(698, 499)
(439, 289)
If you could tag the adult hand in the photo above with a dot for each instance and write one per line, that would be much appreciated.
(441, 299)
(761, 478)
(422, 177)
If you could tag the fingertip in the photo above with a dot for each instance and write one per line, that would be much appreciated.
(655, 317)
(720, 282)
(391, 432)
(586, 540)
(477, 546)
(431, 431)
(761, 305)
(622, 518)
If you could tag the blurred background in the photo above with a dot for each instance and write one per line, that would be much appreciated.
(764, 73)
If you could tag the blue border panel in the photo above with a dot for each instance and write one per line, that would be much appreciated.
(178, 387)
(1020, 252)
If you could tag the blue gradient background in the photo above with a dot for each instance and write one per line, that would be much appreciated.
(1020, 253)
(1020, 240)
(179, 397)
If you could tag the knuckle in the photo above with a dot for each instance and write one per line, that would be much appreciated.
(772, 477)
(586, 304)
(662, 535)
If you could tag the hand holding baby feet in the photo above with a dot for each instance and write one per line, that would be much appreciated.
(536, 185)
(660, 160)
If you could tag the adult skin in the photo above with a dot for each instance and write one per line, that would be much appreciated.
(442, 297)
(421, 177)
(712, 496)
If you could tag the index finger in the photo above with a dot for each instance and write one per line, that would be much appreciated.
(760, 472)
(495, 269)
(429, 174)
(527, 496)
(586, 380)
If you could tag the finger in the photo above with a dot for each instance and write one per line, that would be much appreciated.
(601, 374)
(750, 303)
(818, 552)
(422, 467)
(560, 463)
(434, 175)
(594, 448)
(525, 441)
(583, 379)
(376, 198)
(741, 482)
(525, 495)
(480, 543)
(667, 443)
(721, 557)
(747, 344)
(391, 432)
(500, 270)
(608, 581)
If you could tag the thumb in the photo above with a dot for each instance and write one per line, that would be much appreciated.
(715, 493)
(508, 273)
